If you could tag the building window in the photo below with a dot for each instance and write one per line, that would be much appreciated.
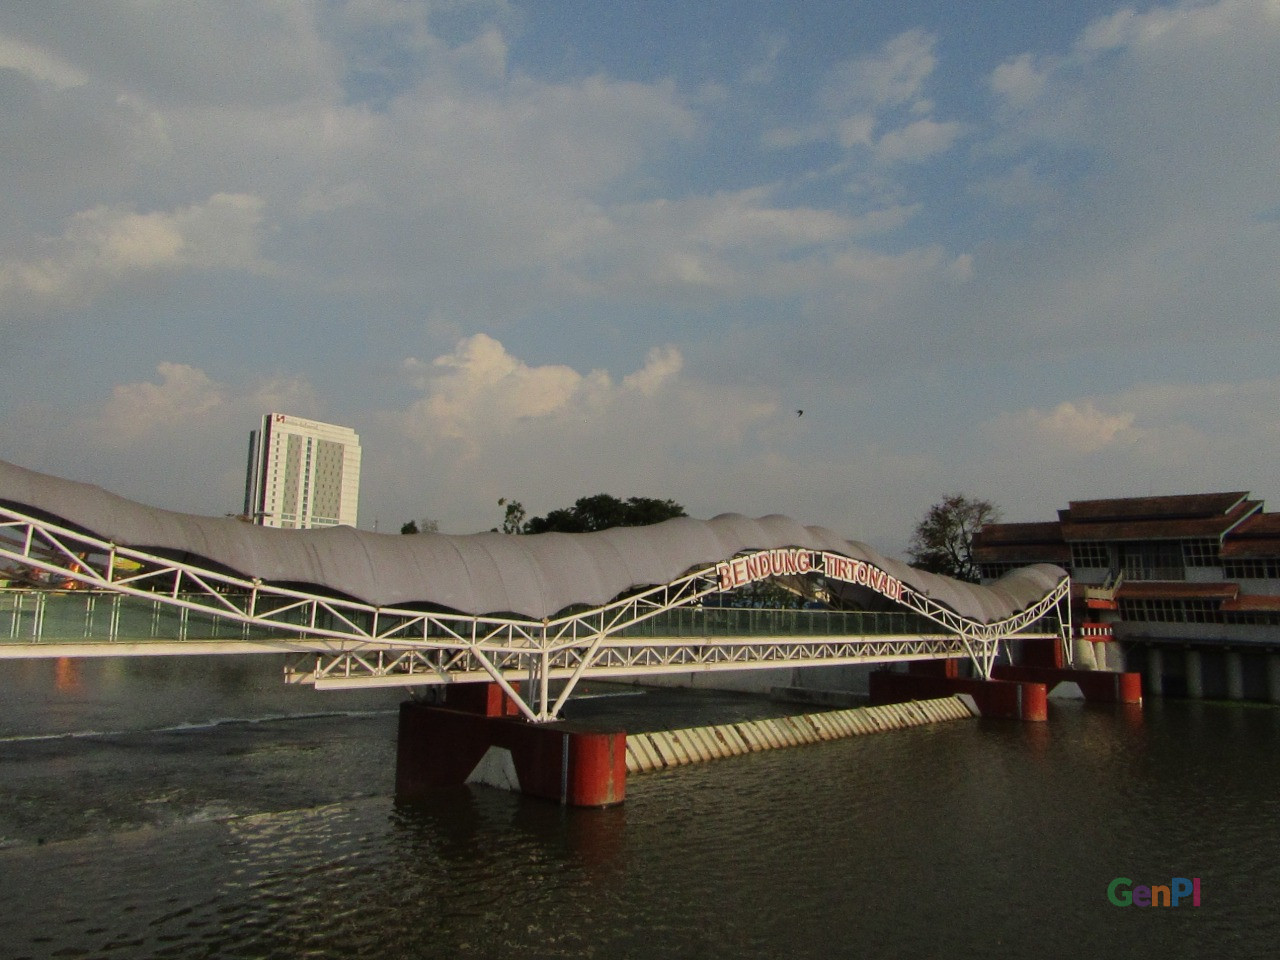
(994, 571)
(1091, 556)
(1170, 611)
(1260, 618)
(1201, 553)
(1152, 560)
(1267, 568)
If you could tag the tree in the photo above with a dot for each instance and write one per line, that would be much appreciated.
(425, 525)
(943, 540)
(603, 511)
(513, 520)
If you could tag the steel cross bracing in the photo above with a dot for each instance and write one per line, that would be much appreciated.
(349, 643)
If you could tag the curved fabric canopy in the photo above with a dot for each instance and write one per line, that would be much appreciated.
(534, 576)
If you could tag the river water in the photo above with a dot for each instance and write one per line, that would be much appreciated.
(198, 808)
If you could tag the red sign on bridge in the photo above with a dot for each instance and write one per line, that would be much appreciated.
(793, 561)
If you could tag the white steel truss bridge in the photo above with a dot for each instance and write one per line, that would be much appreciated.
(73, 593)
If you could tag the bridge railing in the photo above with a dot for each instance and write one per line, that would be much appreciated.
(36, 616)
(48, 616)
(764, 622)
(86, 615)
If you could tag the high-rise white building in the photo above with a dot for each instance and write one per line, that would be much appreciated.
(302, 474)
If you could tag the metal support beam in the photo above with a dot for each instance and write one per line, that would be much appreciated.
(190, 609)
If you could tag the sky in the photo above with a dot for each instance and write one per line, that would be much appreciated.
(538, 251)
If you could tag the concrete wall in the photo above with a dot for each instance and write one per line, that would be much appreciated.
(1206, 671)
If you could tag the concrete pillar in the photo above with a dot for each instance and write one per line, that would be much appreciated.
(1235, 675)
(1273, 677)
(1155, 671)
(1013, 700)
(1195, 677)
(442, 747)
(1084, 654)
(1098, 686)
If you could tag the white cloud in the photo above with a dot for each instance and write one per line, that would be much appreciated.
(284, 393)
(878, 103)
(39, 64)
(177, 440)
(222, 53)
(184, 397)
(385, 191)
(660, 366)
(105, 245)
(1068, 428)
(1178, 77)
(1019, 82)
(1022, 186)
(1172, 26)
(188, 403)
(785, 138)
(856, 131)
(892, 78)
(765, 69)
(1142, 160)
(1157, 437)
(916, 141)
(490, 425)
(482, 389)
(737, 244)
(479, 393)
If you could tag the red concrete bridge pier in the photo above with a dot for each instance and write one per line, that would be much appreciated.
(1042, 663)
(1010, 700)
(478, 736)
(1016, 692)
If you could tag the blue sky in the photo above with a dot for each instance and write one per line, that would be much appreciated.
(545, 250)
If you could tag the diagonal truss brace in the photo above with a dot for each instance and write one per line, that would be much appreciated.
(359, 643)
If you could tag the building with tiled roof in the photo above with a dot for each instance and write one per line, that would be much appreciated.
(1184, 588)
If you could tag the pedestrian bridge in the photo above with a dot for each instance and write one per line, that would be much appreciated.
(91, 574)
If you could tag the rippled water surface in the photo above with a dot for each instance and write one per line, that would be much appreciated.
(199, 809)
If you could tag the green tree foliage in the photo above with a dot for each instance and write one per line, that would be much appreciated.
(603, 511)
(513, 519)
(425, 525)
(943, 540)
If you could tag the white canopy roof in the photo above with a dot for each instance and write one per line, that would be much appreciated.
(534, 576)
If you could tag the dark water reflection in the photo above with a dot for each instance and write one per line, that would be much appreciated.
(280, 839)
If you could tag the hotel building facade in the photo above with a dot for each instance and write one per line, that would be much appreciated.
(1184, 589)
(302, 474)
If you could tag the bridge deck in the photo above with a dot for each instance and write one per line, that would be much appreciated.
(35, 622)
(124, 602)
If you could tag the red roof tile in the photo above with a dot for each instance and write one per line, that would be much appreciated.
(1159, 526)
(1021, 543)
(1024, 554)
(1257, 537)
(1181, 507)
(1019, 533)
